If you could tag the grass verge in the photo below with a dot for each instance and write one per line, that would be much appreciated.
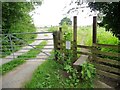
(46, 76)
(22, 58)
(50, 74)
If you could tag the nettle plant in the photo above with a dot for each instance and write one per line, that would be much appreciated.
(73, 78)
(88, 73)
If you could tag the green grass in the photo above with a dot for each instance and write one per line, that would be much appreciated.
(49, 75)
(5, 68)
(7, 50)
(46, 76)
(53, 28)
(10, 65)
(103, 37)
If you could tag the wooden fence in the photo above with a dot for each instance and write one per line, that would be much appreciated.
(108, 67)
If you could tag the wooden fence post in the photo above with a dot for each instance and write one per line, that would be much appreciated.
(55, 39)
(60, 38)
(74, 38)
(94, 38)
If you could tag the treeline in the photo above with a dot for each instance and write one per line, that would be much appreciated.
(16, 19)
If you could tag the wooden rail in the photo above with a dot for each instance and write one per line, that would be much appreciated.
(107, 68)
(106, 53)
(104, 66)
(107, 74)
(107, 46)
(83, 46)
(107, 61)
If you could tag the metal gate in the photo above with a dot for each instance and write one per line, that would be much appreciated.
(14, 46)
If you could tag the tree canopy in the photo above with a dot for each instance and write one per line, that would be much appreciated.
(15, 12)
(16, 19)
(66, 20)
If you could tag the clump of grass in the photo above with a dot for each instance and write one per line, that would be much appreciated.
(33, 52)
(5, 68)
(10, 65)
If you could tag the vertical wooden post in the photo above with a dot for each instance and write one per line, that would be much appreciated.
(75, 38)
(60, 38)
(94, 38)
(55, 43)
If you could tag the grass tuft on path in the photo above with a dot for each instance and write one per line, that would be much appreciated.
(5, 68)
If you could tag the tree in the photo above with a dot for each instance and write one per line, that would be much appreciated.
(16, 19)
(14, 12)
(66, 20)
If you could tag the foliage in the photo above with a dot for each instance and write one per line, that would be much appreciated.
(68, 36)
(73, 79)
(111, 16)
(47, 75)
(12, 12)
(66, 20)
(53, 28)
(65, 27)
(88, 73)
(11, 65)
(21, 59)
(109, 13)
(16, 19)
(60, 56)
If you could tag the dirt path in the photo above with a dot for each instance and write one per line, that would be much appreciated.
(17, 77)
(23, 50)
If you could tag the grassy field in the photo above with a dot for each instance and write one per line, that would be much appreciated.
(103, 37)
(5, 68)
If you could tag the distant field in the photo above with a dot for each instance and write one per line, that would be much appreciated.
(103, 37)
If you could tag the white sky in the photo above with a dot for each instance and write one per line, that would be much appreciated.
(51, 12)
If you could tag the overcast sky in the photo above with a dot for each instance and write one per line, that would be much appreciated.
(52, 11)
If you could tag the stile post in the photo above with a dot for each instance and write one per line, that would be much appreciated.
(94, 29)
(94, 38)
(75, 38)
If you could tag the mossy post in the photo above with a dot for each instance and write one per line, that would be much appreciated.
(74, 38)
